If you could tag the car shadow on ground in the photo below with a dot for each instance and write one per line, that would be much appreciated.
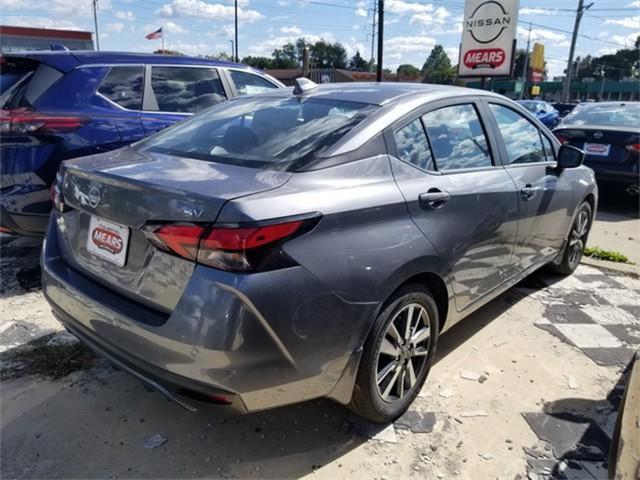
(616, 205)
(92, 424)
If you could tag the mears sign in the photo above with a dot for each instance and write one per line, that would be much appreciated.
(488, 38)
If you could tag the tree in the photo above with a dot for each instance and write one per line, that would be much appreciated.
(168, 52)
(437, 68)
(518, 64)
(358, 63)
(258, 62)
(223, 56)
(408, 70)
(286, 57)
(327, 55)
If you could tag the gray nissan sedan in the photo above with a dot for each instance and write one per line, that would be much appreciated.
(310, 243)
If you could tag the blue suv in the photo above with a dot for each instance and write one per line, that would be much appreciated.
(60, 105)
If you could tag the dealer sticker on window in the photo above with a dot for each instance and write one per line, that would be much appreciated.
(599, 149)
(108, 240)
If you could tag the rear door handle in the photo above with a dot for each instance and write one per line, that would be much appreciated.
(434, 198)
(528, 192)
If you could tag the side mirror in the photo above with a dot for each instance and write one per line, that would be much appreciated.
(569, 157)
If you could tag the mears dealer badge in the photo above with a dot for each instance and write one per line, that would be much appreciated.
(488, 38)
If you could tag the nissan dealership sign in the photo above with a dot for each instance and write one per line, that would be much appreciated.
(488, 38)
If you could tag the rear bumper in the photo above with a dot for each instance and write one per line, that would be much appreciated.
(261, 340)
(21, 224)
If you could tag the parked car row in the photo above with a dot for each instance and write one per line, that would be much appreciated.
(60, 105)
(609, 134)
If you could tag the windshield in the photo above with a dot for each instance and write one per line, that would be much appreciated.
(268, 132)
(621, 114)
(533, 107)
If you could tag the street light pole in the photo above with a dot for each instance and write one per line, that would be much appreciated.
(373, 34)
(232, 50)
(526, 66)
(236, 24)
(566, 88)
(380, 38)
(94, 4)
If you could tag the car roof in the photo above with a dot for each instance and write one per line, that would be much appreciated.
(386, 93)
(67, 60)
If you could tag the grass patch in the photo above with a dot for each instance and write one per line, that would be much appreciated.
(611, 256)
(38, 358)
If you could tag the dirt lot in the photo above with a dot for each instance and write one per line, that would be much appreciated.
(527, 386)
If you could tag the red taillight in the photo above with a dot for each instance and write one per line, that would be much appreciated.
(227, 248)
(183, 240)
(563, 139)
(5, 230)
(634, 147)
(22, 121)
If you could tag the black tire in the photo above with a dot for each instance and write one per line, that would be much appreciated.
(367, 399)
(571, 255)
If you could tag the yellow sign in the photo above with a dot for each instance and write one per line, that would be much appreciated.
(537, 57)
(535, 90)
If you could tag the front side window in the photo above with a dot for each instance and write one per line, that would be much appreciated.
(186, 89)
(457, 138)
(412, 145)
(521, 138)
(248, 83)
(268, 132)
(123, 85)
(548, 149)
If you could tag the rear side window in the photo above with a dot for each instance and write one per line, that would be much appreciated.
(248, 83)
(521, 138)
(412, 145)
(186, 89)
(123, 85)
(22, 87)
(457, 138)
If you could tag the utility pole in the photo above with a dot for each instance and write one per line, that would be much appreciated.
(373, 33)
(526, 65)
(236, 22)
(94, 4)
(602, 84)
(566, 88)
(380, 38)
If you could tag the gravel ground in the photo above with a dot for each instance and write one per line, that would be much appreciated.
(528, 386)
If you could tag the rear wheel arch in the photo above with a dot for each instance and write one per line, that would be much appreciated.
(436, 285)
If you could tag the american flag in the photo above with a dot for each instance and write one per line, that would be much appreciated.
(154, 35)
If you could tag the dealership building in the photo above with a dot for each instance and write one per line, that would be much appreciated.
(15, 39)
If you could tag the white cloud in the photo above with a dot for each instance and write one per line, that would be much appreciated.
(558, 39)
(211, 11)
(361, 12)
(537, 11)
(192, 49)
(172, 27)
(267, 46)
(625, 40)
(401, 6)
(293, 30)
(555, 68)
(41, 22)
(226, 31)
(128, 15)
(453, 54)
(414, 44)
(114, 27)
(629, 22)
(634, 4)
(438, 16)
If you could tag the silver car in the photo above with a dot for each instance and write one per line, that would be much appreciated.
(310, 243)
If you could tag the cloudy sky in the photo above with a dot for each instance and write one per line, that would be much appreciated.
(412, 27)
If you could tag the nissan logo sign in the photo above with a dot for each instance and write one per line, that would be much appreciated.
(487, 22)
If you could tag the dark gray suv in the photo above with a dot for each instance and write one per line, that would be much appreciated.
(294, 245)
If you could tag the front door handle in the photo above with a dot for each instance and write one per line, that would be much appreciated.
(434, 198)
(528, 192)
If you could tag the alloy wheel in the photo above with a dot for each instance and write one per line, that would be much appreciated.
(403, 352)
(577, 238)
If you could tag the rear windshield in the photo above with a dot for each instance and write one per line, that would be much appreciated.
(262, 131)
(533, 107)
(622, 115)
(23, 81)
